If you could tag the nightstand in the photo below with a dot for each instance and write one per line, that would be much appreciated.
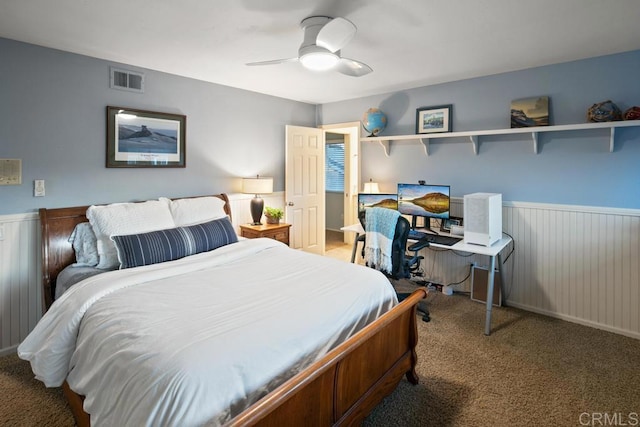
(278, 232)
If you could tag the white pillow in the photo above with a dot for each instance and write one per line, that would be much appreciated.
(125, 218)
(195, 210)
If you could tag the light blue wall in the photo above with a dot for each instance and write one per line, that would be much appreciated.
(53, 117)
(572, 167)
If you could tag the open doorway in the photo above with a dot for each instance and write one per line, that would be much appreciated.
(342, 180)
(334, 189)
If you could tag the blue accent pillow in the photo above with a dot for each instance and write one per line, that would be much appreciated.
(210, 235)
(135, 250)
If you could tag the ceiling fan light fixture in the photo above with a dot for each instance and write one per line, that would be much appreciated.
(319, 60)
(324, 37)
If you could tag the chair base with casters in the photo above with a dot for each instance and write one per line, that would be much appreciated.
(421, 307)
(412, 268)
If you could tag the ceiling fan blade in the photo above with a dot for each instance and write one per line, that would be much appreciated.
(335, 34)
(272, 62)
(353, 68)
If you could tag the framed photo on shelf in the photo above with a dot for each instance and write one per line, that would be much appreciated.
(142, 139)
(434, 119)
(529, 112)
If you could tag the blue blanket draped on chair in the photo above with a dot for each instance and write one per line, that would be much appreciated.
(380, 228)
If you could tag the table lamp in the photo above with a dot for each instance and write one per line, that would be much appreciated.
(258, 185)
(371, 187)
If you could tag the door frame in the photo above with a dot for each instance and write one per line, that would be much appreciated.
(351, 132)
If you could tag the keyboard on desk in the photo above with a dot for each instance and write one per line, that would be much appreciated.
(440, 240)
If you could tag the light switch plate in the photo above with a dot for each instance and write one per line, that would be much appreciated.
(38, 188)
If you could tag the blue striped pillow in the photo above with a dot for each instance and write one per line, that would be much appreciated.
(210, 235)
(135, 250)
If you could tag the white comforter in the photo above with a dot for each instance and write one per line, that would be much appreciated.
(197, 340)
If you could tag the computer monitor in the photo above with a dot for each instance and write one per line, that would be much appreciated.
(424, 200)
(375, 200)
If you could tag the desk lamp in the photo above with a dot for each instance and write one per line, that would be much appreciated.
(371, 187)
(258, 185)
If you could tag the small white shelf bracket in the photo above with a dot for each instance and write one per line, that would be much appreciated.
(612, 140)
(474, 143)
(425, 143)
(534, 137)
(386, 145)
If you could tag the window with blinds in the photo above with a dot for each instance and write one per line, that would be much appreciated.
(334, 167)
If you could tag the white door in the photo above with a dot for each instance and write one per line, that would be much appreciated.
(304, 188)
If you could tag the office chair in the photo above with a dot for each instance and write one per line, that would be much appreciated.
(405, 265)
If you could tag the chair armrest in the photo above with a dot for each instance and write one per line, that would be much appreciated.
(420, 244)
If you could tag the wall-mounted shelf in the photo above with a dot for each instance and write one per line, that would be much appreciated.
(385, 141)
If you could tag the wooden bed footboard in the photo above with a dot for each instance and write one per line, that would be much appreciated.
(342, 387)
(349, 381)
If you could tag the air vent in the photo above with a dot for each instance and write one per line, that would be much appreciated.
(126, 80)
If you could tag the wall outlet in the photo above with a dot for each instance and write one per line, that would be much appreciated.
(38, 188)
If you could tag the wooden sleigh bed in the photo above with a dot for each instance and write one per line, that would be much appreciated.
(341, 388)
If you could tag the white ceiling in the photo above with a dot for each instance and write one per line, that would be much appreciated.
(408, 43)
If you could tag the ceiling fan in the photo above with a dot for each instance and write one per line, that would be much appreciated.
(320, 49)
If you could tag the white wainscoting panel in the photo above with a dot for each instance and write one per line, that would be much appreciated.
(581, 264)
(241, 207)
(575, 263)
(20, 279)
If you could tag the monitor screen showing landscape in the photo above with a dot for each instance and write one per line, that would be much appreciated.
(430, 201)
(369, 200)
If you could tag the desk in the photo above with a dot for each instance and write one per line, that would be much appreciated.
(356, 228)
(492, 251)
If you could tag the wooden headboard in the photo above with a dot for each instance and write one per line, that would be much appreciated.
(57, 252)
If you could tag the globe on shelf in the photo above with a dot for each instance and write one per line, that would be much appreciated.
(374, 121)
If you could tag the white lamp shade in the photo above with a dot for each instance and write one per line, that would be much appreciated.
(259, 185)
(371, 187)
